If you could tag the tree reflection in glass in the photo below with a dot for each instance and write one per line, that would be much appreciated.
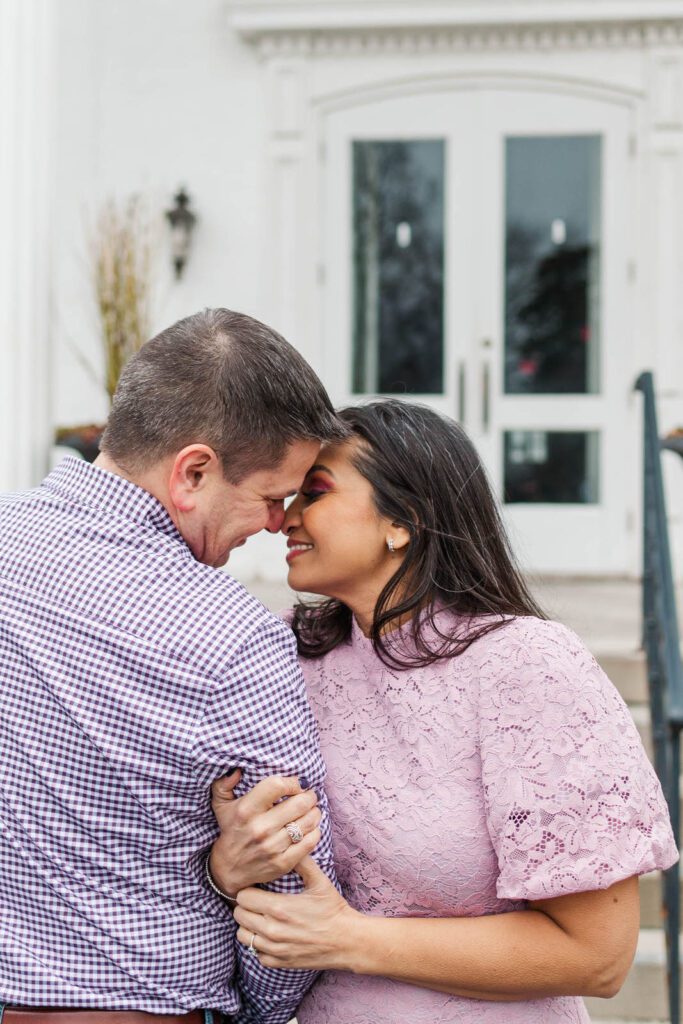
(552, 265)
(398, 205)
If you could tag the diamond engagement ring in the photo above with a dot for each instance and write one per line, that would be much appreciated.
(252, 948)
(294, 832)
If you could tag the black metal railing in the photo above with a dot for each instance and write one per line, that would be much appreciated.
(664, 669)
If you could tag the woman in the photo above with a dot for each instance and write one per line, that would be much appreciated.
(492, 805)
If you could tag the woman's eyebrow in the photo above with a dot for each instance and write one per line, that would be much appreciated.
(319, 466)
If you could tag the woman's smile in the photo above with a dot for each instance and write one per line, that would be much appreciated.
(297, 547)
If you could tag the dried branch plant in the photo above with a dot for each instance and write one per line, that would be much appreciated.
(122, 258)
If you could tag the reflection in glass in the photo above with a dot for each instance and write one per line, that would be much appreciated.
(398, 198)
(552, 301)
(558, 467)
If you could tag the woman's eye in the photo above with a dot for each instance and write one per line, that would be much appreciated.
(312, 494)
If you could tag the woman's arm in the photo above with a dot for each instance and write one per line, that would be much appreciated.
(581, 944)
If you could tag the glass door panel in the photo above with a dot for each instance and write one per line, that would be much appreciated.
(473, 259)
(554, 467)
(554, 439)
(552, 271)
(396, 247)
(398, 266)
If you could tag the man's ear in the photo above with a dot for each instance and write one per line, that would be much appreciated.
(192, 470)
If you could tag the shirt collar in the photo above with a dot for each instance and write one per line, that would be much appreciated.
(81, 482)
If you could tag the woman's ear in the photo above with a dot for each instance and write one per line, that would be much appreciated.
(399, 536)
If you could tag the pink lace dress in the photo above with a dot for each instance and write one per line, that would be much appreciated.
(513, 772)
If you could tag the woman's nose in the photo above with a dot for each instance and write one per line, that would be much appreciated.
(292, 515)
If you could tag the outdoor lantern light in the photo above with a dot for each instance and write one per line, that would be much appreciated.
(182, 221)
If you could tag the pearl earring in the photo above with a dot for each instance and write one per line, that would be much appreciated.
(390, 544)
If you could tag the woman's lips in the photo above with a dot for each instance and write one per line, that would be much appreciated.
(296, 549)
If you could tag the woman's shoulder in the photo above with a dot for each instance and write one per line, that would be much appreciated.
(530, 651)
(529, 631)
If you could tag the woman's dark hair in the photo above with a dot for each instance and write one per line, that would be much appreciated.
(427, 477)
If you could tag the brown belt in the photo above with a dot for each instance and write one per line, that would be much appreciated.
(63, 1015)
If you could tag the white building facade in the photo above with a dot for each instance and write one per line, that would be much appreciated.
(475, 203)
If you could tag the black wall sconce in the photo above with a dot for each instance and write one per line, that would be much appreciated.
(182, 221)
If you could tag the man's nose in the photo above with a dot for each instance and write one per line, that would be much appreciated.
(275, 519)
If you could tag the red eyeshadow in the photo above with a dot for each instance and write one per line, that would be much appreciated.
(318, 483)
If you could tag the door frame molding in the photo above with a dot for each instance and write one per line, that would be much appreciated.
(639, 66)
(479, 78)
(338, 28)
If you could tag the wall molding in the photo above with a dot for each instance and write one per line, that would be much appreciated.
(27, 62)
(325, 29)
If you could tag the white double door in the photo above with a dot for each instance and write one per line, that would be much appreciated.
(477, 246)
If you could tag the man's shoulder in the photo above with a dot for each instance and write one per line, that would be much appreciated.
(226, 616)
(128, 577)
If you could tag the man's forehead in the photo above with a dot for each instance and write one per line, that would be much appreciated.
(289, 473)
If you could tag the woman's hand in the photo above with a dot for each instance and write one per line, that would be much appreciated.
(254, 845)
(316, 929)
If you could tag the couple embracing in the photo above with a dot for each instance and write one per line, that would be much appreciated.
(487, 806)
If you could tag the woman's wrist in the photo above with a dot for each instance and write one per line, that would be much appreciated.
(218, 882)
(357, 938)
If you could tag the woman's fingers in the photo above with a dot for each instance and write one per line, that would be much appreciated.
(291, 857)
(261, 944)
(266, 793)
(222, 789)
(276, 840)
(251, 921)
(254, 845)
(271, 822)
(307, 824)
(293, 809)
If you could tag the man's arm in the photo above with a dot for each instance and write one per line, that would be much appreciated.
(258, 720)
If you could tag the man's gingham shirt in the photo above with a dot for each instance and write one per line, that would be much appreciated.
(132, 676)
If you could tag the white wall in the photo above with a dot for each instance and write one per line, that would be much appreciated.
(152, 95)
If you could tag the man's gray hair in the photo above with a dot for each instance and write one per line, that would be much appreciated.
(222, 379)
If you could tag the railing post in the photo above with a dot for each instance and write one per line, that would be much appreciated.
(664, 669)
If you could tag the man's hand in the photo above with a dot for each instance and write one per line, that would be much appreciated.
(253, 845)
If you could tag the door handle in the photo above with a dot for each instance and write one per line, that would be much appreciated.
(462, 392)
(485, 397)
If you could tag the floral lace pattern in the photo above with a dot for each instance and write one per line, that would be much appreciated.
(510, 773)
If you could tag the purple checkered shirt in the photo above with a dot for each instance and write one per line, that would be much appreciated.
(132, 677)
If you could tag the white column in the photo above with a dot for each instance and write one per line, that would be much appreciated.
(26, 126)
(662, 341)
(292, 215)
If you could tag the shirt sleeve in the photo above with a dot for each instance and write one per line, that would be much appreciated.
(259, 720)
(572, 801)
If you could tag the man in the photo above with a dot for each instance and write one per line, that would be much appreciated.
(134, 674)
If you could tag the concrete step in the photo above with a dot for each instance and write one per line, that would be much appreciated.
(628, 672)
(643, 996)
(651, 900)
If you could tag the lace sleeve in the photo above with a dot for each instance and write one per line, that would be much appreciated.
(572, 802)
